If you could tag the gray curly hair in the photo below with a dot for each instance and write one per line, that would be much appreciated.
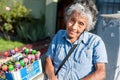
(86, 8)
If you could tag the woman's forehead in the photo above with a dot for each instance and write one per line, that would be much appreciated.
(78, 15)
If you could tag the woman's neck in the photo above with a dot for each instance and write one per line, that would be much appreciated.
(72, 40)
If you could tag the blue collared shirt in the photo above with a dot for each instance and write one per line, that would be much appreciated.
(90, 50)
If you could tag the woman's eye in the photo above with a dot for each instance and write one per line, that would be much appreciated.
(81, 23)
(72, 20)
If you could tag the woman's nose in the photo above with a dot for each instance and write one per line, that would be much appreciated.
(75, 25)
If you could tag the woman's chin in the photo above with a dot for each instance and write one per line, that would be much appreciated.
(71, 36)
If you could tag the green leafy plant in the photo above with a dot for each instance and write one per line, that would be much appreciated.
(33, 31)
(12, 14)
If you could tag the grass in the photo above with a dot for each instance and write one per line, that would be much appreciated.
(8, 45)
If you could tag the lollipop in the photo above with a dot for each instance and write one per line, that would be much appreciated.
(17, 64)
(12, 52)
(33, 57)
(26, 51)
(16, 49)
(6, 54)
(9, 62)
(29, 57)
(30, 51)
(25, 60)
(23, 49)
(11, 67)
(37, 55)
(34, 51)
(0, 65)
(4, 67)
(22, 63)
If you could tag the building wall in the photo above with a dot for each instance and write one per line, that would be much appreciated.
(37, 7)
(50, 16)
(44, 7)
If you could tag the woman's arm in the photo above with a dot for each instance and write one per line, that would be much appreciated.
(49, 69)
(99, 74)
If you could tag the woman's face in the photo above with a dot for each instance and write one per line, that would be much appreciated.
(75, 25)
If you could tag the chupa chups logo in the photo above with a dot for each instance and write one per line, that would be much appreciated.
(29, 68)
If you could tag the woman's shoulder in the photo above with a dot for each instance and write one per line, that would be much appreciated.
(61, 32)
(93, 39)
(93, 36)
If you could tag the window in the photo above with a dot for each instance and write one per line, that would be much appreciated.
(108, 6)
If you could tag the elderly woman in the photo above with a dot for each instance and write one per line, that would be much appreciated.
(87, 61)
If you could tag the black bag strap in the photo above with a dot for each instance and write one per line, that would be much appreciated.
(69, 53)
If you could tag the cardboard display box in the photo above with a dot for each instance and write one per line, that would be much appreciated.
(27, 73)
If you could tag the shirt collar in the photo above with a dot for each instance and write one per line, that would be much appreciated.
(83, 38)
(65, 36)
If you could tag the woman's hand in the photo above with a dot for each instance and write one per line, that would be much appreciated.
(52, 78)
(49, 69)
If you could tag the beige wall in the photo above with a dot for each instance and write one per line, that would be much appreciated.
(46, 7)
(37, 7)
(50, 14)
